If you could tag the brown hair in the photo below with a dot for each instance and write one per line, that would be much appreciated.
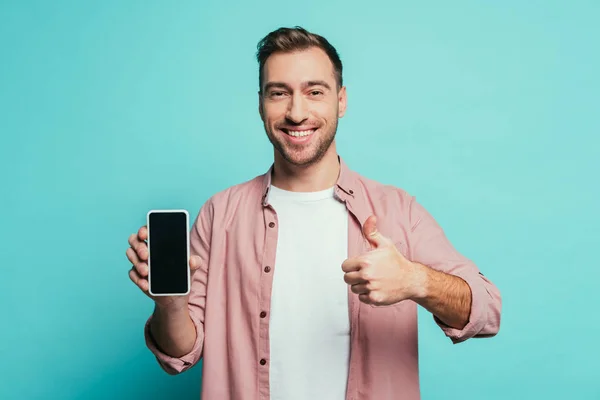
(288, 40)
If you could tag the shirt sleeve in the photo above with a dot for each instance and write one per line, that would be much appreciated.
(200, 235)
(429, 245)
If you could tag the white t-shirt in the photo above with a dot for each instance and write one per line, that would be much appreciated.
(309, 323)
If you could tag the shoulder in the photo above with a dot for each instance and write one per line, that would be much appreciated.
(233, 197)
(389, 199)
(240, 191)
(378, 191)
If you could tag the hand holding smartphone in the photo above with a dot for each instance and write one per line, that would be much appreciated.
(164, 250)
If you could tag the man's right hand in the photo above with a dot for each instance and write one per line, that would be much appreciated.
(137, 253)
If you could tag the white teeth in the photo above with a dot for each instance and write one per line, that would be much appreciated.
(300, 133)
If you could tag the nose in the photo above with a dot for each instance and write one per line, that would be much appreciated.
(297, 109)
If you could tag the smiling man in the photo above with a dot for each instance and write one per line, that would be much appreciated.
(306, 279)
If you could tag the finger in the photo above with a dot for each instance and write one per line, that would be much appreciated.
(141, 250)
(138, 280)
(195, 262)
(365, 298)
(143, 233)
(354, 277)
(142, 269)
(140, 247)
(352, 264)
(133, 240)
(374, 298)
(360, 288)
(132, 256)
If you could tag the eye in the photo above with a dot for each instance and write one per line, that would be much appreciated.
(277, 94)
(316, 92)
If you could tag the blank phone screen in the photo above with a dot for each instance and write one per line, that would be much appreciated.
(168, 247)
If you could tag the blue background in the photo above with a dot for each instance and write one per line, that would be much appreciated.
(486, 111)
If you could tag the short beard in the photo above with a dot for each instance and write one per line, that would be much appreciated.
(324, 144)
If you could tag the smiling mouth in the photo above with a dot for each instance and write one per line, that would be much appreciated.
(299, 133)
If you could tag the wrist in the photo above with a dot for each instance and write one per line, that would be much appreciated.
(422, 277)
(171, 309)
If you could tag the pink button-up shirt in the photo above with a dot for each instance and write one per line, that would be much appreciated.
(235, 234)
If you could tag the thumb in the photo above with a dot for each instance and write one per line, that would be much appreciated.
(195, 263)
(372, 234)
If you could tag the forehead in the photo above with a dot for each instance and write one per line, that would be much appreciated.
(300, 66)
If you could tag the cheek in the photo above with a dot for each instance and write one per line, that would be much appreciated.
(325, 109)
(274, 113)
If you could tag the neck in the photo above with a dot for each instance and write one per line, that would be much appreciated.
(320, 175)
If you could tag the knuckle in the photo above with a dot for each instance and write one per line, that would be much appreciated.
(366, 274)
(142, 269)
(141, 249)
(375, 297)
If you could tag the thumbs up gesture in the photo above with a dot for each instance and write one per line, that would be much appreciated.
(383, 276)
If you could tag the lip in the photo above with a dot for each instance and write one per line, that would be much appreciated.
(299, 128)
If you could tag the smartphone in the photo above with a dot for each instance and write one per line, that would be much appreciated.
(168, 252)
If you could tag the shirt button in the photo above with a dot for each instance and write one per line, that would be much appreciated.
(271, 224)
(263, 361)
(267, 269)
(263, 314)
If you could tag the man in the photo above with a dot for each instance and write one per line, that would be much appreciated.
(306, 279)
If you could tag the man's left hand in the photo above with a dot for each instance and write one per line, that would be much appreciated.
(383, 276)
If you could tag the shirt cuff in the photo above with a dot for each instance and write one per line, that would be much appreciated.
(477, 316)
(175, 365)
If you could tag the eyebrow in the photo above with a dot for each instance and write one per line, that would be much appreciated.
(272, 85)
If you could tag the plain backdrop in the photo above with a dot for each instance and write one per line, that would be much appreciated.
(486, 111)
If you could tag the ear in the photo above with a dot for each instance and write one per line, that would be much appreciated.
(260, 107)
(342, 102)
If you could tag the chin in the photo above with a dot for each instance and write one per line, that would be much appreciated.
(304, 158)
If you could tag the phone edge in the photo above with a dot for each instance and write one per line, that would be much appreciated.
(187, 243)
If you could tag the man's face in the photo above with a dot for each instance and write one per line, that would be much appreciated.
(300, 104)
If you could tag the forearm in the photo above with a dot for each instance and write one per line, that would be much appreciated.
(448, 297)
(173, 331)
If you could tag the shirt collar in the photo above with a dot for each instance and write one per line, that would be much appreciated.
(346, 183)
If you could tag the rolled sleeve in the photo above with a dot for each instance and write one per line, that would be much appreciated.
(430, 246)
(477, 316)
(175, 365)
